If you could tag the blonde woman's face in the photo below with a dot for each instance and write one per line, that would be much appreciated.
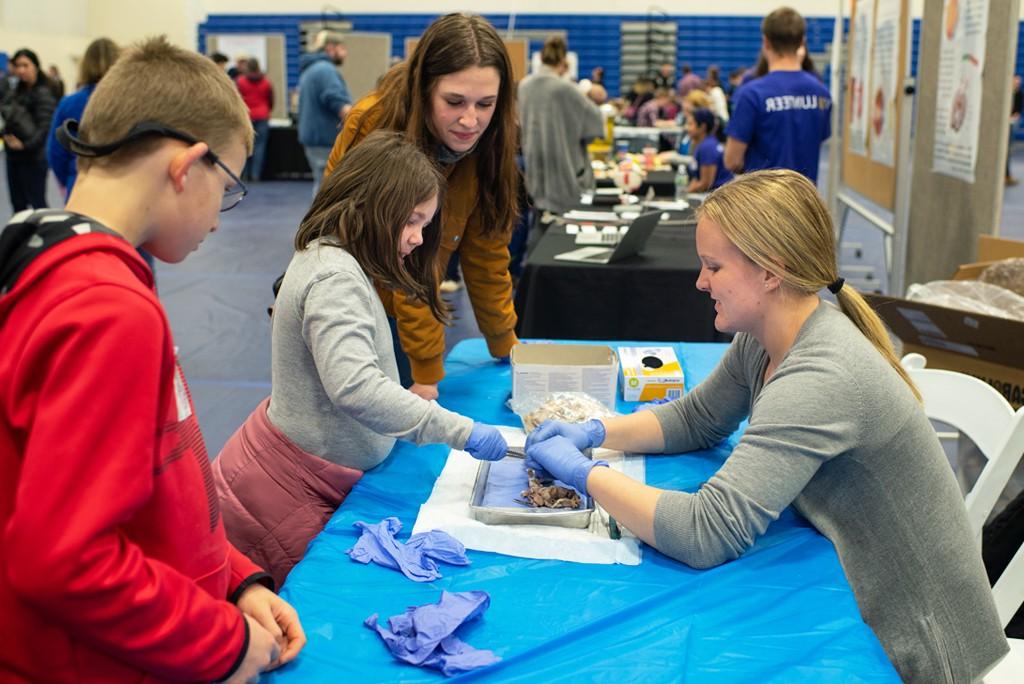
(462, 105)
(734, 282)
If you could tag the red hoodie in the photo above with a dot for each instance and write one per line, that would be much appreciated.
(258, 95)
(114, 566)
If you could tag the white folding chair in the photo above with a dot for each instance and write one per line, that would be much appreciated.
(976, 409)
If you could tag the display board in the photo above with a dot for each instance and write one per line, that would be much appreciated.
(518, 52)
(268, 48)
(947, 213)
(877, 64)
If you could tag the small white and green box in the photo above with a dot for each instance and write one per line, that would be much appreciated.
(650, 373)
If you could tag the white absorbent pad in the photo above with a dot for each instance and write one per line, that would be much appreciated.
(448, 509)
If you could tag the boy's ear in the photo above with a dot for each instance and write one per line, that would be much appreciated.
(183, 161)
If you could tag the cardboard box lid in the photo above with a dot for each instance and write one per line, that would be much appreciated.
(563, 355)
(988, 338)
(991, 248)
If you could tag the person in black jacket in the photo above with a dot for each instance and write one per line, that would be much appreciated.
(27, 110)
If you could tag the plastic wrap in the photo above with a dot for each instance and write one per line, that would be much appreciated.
(571, 407)
(970, 295)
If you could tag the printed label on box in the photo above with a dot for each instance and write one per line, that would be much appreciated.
(650, 373)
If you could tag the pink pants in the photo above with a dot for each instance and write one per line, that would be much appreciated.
(274, 496)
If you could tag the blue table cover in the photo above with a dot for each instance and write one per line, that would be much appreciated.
(782, 612)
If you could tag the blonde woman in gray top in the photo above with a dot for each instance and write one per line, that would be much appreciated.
(836, 429)
(336, 406)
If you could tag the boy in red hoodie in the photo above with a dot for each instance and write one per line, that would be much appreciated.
(114, 566)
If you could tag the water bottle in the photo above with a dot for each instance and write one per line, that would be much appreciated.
(681, 183)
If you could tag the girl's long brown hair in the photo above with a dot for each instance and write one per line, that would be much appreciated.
(365, 203)
(453, 43)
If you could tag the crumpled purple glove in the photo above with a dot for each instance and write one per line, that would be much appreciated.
(650, 404)
(486, 443)
(560, 457)
(583, 435)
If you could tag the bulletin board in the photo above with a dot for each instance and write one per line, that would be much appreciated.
(518, 52)
(860, 171)
(271, 57)
(949, 214)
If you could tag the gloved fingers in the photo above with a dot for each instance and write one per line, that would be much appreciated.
(496, 449)
(547, 429)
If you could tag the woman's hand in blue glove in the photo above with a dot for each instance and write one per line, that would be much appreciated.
(560, 457)
(583, 435)
(486, 443)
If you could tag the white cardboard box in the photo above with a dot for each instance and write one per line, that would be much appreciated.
(539, 369)
(650, 373)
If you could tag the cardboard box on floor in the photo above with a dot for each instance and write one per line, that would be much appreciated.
(987, 347)
(539, 369)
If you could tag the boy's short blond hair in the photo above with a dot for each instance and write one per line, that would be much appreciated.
(156, 81)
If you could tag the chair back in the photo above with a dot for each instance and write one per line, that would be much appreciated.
(977, 410)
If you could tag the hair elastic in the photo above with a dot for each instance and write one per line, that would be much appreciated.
(836, 286)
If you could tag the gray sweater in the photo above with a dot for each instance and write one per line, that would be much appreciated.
(335, 390)
(556, 122)
(837, 433)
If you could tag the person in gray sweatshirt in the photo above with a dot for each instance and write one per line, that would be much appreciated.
(835, 428)
(336, 406)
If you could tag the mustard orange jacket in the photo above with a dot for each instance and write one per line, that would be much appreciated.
(484, 261)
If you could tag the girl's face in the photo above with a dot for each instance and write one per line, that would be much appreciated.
(412, 231)
(691, 127)
(462, 104)
(735, 283)
(25, 70)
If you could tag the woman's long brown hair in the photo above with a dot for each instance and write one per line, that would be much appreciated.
(365, 203)
(453, 43)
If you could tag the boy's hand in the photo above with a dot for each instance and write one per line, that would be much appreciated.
(13, 142)
(277, 617)
(262, 653)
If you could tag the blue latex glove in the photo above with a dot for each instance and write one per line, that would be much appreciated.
(649, 404)
(583, 435)
(560, 457)
(486, 443)
(425, 635)
(414, 559)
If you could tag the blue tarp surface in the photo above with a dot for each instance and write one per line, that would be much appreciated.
(782, 612)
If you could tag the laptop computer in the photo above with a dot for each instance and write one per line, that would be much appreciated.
(630, 244)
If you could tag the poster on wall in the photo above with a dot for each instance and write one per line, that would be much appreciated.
(236, 45)
(885, 74)
(958, 109)
(860, 74)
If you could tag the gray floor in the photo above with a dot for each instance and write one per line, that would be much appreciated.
(217, 298)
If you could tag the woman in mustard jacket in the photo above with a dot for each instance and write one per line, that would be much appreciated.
(454, 97)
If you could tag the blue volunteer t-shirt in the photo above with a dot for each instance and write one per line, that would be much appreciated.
(783, 117)
(708, 153)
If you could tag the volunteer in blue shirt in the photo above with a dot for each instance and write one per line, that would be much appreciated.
(709, 169)
(780, 119)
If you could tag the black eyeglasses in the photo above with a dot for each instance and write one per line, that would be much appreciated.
(67, 136)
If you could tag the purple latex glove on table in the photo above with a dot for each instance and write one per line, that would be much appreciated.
(425, 635)
(562, 460)
(583, 435)
(415, 559)
(486, 443)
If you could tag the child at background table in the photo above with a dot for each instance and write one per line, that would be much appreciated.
(114, 564)
(709, 170)
(336, 406)
(836, 429)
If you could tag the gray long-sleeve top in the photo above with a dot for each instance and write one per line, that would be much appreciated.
(556, 121)
(335, 390)
(837, 433)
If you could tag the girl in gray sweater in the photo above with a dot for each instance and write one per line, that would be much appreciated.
(836, 429)
(336, 406)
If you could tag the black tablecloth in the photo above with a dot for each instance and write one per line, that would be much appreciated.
(285, 157)
(651, 296)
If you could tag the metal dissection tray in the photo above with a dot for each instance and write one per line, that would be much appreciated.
(557, 517)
